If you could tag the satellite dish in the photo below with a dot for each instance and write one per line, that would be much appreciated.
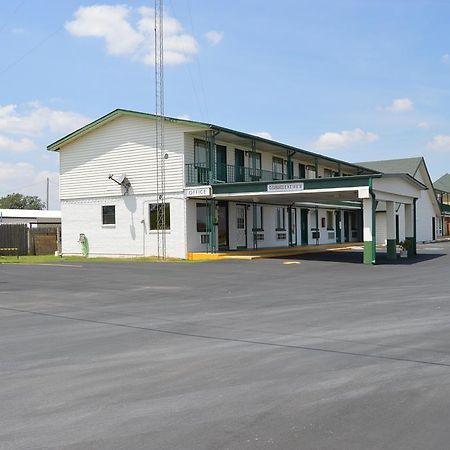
(122, 180)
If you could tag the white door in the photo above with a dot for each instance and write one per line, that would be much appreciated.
(241, 226)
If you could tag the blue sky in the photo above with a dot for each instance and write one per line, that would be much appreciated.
(355, 79)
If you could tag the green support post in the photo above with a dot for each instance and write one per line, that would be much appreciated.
(212, 226)
(370, 236)
(317, 225)
(212, 157)
(253, 159)
(391, 241)
(254, 231)
(410, 228)
(338, 226)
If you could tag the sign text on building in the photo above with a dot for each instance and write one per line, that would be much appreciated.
(285, 187)
(203, 191)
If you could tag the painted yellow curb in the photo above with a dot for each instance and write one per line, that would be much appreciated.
(269, 252)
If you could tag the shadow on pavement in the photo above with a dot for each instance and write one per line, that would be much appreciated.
(356, 257)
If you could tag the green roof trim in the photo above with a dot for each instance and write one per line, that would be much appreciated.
(312, 183)
(108, 117)
(309, 183)
(55, 146)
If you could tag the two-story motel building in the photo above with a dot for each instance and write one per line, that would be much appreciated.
(225, 190)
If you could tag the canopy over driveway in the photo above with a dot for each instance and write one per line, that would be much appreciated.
(353, 191)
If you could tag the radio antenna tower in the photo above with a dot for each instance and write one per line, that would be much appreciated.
(160, 145)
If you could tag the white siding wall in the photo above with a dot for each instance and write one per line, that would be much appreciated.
(381, 228)
(124, 145)
(381, 224)
(130, 236)
(425, 210)
(425, 213)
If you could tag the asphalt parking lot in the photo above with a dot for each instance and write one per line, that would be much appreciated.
(308, 353)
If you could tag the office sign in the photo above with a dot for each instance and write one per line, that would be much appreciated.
(285, 187)
(201, 191)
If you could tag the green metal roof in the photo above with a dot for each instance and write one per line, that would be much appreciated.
(443, 184)
(55, 146)
(404, 165)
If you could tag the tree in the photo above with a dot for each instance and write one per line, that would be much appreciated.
(19, 201)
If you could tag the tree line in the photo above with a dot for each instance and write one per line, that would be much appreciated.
(19, 201)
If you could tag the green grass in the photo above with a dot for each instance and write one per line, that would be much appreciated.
(51, 259)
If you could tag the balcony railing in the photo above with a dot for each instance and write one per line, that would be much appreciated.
(197, 174)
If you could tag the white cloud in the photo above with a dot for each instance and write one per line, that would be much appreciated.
(34, 119)
(214, 37)
(184, 117)
(22, 177)
(424, 125)
(263, 134)
(16, 145)
(400, 105)
(440, 143)
(129, 32)
(446, 58)
(333, 140)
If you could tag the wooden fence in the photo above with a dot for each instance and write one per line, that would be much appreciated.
(43, 241)
(13, 239)
(18, 239)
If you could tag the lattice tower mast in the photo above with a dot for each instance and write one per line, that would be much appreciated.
(160, 145)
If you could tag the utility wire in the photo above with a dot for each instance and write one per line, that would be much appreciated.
(201, 104)
(197, 60)
(31, 50)
(13, 12)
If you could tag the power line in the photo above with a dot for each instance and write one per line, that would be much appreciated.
(13, 12)
(197, 60)
(202, 105)
(30, 51)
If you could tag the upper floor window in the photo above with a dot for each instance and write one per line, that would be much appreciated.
(201, 154)
(301, 170)
(311, 172)
(277, 168)
(254, 161)
(327, 173)
(109, 215)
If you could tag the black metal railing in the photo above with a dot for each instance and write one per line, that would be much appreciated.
(201, 173)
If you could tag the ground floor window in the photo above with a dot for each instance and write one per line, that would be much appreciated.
(109, 215)
(281, 217)
(258, 218)
(202, 214)
(330, 220)
(155, 211)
